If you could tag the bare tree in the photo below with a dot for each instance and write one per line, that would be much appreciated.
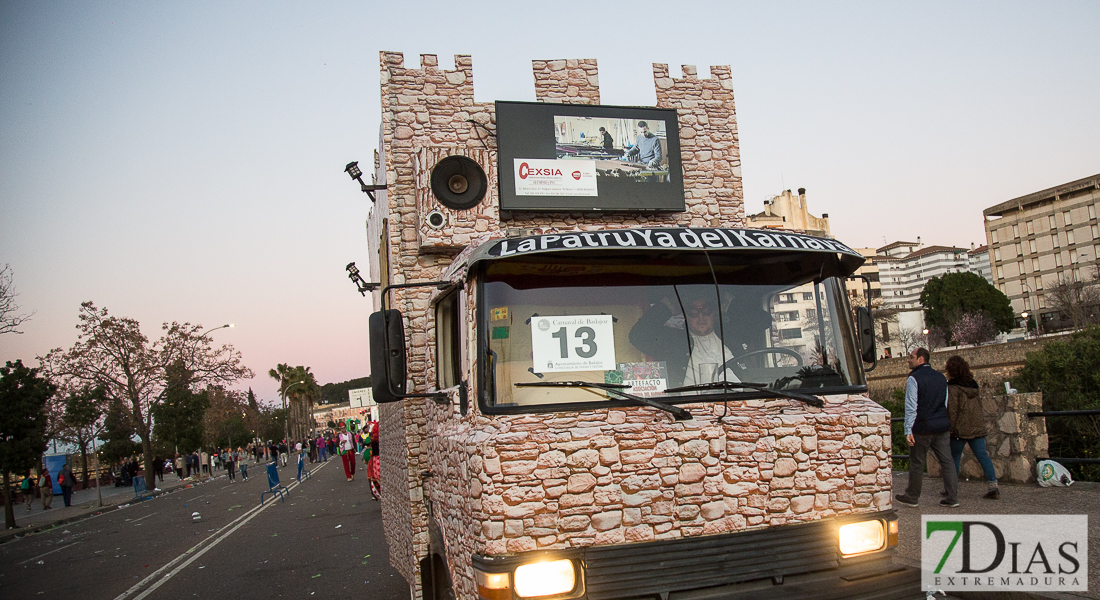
(10, 320)
(910, 339)
(113, 353)
(1076, 298)
(934, 339)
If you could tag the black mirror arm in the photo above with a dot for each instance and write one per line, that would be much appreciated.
(442, 285)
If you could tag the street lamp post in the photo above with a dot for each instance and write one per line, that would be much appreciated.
(209, 331)
(1034, 306)
(98, 477)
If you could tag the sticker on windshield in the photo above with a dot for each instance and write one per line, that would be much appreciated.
(646, 379)
(572, 343)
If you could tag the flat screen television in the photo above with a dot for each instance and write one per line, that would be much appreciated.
(574, 158)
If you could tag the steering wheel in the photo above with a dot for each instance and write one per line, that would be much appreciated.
(736, 366)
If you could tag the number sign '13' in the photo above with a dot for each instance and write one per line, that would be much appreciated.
(572, 343)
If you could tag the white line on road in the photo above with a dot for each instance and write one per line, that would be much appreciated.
(48, 553)
(145, 517)
(195, 552)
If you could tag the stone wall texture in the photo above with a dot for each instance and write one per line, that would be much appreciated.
(992, 365)
(567, 81)
(1013, 440)
(568, 479)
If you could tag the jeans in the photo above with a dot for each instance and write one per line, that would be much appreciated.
(67, 495)
(940, 445)
(977, 446)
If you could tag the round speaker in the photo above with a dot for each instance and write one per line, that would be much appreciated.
(436, 219)
(459, 183)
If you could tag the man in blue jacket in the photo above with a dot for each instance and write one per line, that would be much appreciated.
(927, 425)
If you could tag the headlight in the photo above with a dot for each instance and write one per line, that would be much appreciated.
(545, 578)
(862, 537)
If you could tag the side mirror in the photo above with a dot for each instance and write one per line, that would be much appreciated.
(866, 327)
(387, 355)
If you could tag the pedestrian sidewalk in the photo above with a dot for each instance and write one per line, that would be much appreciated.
(85, 503)
(1080, 498)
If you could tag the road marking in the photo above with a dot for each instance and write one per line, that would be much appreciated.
(48, 553)
(195, 552)
(145, 517)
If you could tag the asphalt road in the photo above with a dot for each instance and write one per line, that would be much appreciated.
(324, 541)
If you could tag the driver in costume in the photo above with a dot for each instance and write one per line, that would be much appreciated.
(693, 354)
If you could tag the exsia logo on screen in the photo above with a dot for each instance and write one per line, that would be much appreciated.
(549, 177)
(526, 171)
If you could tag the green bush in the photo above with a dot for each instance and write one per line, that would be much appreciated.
(1067, 372)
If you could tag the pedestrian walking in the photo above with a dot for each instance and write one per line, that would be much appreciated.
(158, 471)
(347, 451)
(374, 467)
(230, 465)
(927, 427)
(179, 467)
(967, 421)
(65, 480)
(45, 487)
(27, 487)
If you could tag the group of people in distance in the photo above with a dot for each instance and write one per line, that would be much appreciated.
(202, 463)
(43, 484)
(944, 415)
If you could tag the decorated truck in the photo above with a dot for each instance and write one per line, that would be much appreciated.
(611, 403)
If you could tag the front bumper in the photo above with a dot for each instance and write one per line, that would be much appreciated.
(787, 561)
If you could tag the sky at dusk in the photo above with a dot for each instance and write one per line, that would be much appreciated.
(184, 161)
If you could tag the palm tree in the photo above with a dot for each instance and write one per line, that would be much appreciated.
(300, 397)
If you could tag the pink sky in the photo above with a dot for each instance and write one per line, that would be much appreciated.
(184, 162)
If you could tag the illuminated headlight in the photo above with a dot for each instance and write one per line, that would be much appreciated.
(545, 579)
(862, 537)
(545, 576)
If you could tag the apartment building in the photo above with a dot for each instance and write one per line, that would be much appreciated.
(1042, 238)
(903, 276)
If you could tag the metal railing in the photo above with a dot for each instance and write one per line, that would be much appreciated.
(1045, 413)
(1068, 413)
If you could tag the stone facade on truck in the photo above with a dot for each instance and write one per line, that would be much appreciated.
(429, 113)
(513, 483)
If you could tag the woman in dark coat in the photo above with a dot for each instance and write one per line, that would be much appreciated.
(967, 420)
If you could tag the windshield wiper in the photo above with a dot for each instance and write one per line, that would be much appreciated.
(681, 414)
(724, 385)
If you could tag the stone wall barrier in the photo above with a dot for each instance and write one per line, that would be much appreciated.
(1014, 441)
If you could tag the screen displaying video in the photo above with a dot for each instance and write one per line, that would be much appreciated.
(559, 157)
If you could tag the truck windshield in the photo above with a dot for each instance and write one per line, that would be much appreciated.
(654, 322)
